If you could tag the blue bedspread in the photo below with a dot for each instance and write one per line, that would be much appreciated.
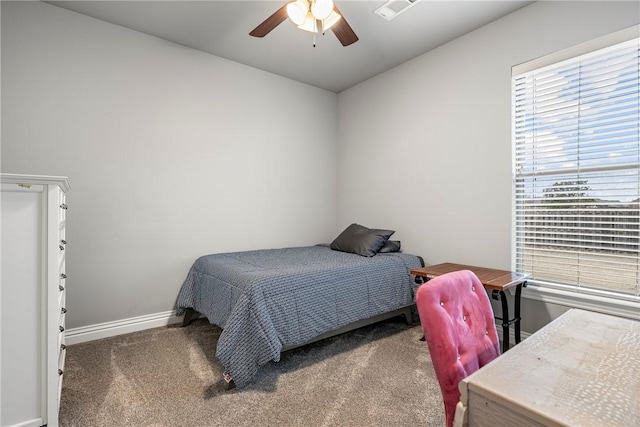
(265, 300)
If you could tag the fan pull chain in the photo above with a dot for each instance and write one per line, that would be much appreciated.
(315, 30)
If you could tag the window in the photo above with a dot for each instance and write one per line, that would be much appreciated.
(576, 138)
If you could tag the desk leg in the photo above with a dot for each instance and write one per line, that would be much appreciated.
(419, 280)
(517, 312)
(505, 322)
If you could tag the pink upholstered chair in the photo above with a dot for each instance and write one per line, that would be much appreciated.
(458, 325)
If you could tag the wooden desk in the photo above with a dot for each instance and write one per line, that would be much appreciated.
(582, 369)
(497, 281)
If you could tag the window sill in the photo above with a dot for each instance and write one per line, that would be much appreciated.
(601, 304)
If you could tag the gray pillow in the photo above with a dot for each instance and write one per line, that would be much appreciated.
(358, 239)
(390, 246)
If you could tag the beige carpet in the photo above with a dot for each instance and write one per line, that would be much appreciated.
(380, 375)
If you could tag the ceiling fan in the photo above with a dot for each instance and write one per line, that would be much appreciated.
(310, 15)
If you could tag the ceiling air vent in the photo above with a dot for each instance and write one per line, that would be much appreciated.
(393, 8)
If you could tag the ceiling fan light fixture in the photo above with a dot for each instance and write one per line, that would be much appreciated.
(310, 24)
(330, 21)
(322, 9)
(300, 12)
(297, 11)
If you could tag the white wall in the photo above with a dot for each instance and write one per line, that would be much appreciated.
(171, 153)
(426, 147)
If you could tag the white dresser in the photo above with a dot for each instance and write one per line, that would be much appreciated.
(32, 296)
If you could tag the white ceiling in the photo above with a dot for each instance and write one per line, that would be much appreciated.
(222, 28)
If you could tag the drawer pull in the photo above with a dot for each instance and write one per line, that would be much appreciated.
(63, 347)
(64, 242)
(61, 328)
(63, 276)
(64, 206)
(61, 247)
(61, 288)
(64, 310)
(60, 372)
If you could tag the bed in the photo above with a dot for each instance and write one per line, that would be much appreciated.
(268, 301)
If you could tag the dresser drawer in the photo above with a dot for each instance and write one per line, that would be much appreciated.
(61, 330)
(62, 297)
(61, 360)
(62, 232)
(62, 312)
(61, 257)
(63, 347)
(62, 202)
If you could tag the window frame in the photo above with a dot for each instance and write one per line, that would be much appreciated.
(626, 305)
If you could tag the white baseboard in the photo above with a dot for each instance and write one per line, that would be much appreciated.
(157, 320)
(37, 422)
(119, 327)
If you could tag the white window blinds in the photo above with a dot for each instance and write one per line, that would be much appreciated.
(576, 136)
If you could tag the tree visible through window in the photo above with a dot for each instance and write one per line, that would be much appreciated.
(576, 136)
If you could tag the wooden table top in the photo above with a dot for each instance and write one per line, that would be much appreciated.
(578, 370)
(490, 278)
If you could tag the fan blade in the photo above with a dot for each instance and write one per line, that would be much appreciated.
(270, 23)
(343, 30)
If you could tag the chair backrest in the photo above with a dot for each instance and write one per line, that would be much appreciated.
(459, 328)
